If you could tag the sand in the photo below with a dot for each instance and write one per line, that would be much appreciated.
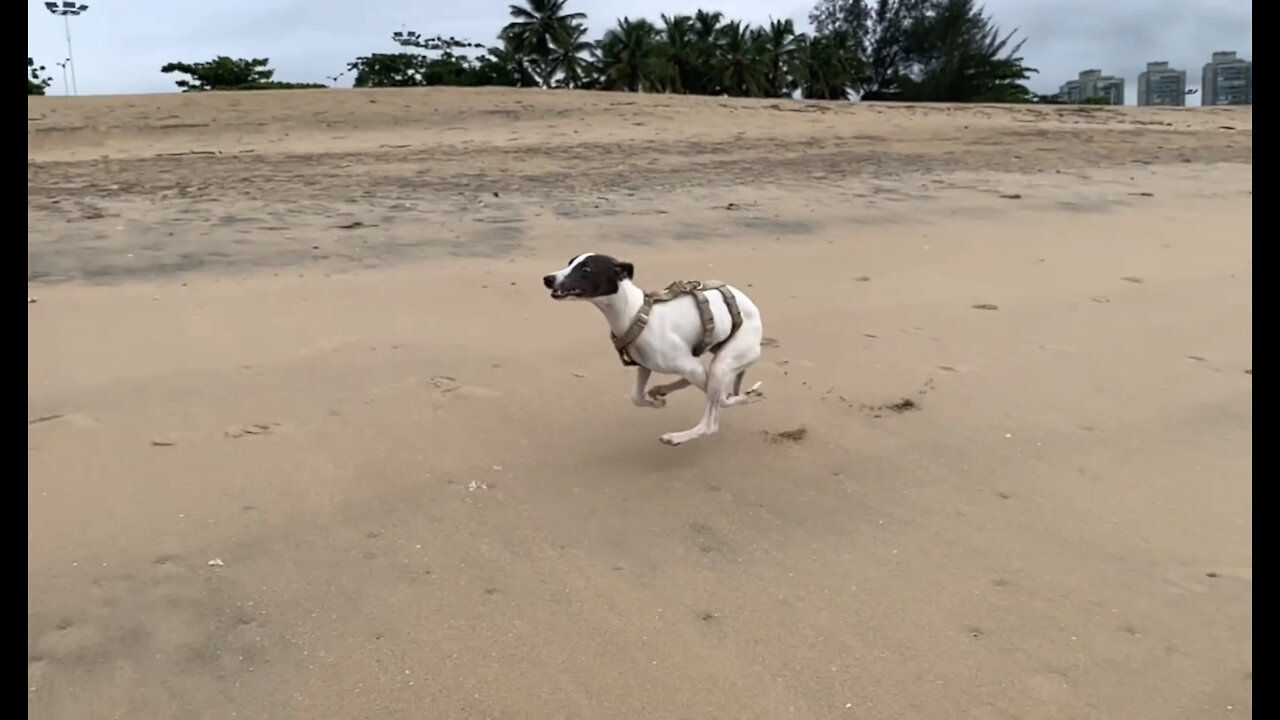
(306, 437)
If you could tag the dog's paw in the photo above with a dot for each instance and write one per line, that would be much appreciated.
(753, 395)
(656, 398)
(677, 438)
(649, 402)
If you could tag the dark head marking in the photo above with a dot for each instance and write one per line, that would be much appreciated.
(588, 276)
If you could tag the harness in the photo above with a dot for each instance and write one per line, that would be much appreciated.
(698, 289)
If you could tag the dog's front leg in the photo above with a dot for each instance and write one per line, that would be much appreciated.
(638, 397)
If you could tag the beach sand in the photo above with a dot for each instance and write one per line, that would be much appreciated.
(306, 437)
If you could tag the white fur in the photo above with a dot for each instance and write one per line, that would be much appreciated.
(666, 346)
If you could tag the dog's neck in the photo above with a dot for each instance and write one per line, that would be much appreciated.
(621, 307)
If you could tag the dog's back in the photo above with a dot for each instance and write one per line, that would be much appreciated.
(678, 312)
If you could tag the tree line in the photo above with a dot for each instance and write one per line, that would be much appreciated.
(37, 81)
(916, 50)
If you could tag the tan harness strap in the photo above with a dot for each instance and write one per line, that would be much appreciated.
(708, 322)
(697, 289)
(735, 315)
(637, 326)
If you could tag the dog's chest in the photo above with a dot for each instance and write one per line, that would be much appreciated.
(661, 357)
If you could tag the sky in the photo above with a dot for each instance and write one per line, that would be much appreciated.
(119, 45)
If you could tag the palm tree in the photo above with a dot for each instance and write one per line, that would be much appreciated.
(828, 66)
(567, 55)
(629, 57)
(534, 29)
(515, 62)
(679, 54)
(707, 24)
(740, 68)
(707, 33)
(781, 46)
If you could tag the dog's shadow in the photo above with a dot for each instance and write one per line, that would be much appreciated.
(636, 445)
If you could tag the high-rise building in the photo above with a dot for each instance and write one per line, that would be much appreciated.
(1227, 80)
(1093, 84)
(1160, 84)
(1069, 91)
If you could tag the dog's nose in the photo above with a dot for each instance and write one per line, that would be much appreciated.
(549, 281)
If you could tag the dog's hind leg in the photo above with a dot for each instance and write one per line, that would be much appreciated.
(752, 395)
(691, 372)
(719, 378)
(741, 356)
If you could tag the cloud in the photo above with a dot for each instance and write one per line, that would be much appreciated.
(121, 44)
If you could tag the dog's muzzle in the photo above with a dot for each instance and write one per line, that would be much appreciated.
(560, 293)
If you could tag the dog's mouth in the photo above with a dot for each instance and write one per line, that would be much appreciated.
(559, 294)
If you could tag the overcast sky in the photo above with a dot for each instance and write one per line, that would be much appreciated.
(121, 44)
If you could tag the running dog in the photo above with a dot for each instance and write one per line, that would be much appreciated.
(669, 331)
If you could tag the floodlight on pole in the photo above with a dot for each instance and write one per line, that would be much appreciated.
(407, 38)
(68, 9)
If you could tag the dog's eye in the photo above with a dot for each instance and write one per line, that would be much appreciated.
(586, 270)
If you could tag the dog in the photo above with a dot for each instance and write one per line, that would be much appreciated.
(667, 332)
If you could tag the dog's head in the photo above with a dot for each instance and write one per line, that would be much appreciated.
(588, 276)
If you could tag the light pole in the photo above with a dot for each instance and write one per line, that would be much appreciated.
(66, 87)
(68, 9)
(407, 38)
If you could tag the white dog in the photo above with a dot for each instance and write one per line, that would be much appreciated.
(668, 331)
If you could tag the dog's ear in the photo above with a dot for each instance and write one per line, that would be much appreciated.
(625, 270)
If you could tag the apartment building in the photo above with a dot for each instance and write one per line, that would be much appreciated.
(1093, 84)
(1160, 84)
(1227, 80)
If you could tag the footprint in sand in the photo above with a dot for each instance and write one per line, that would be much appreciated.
(138, 621)
(470, 391)
(1056, 348)
(73, 419)
(1048, 685)
(449, 386)
(262, 428)
(1187, 580)
(794, 435)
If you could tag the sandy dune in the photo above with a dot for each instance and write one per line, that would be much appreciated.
(307, 439)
